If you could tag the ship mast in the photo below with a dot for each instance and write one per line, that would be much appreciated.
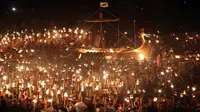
(101, 40)
(101, 37)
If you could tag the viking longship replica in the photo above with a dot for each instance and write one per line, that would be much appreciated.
(144, 51)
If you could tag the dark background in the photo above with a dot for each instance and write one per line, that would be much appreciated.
(165, 15)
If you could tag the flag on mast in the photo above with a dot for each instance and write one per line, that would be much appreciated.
(103, 4)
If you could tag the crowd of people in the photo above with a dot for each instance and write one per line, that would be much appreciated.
(37, 76)
(13, 104)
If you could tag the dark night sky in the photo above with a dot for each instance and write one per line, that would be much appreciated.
(175, 15)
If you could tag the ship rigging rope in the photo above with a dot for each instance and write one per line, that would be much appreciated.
(91, 15)
(110, 14)
(121, 33)
(90, 26)
(102, 20)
